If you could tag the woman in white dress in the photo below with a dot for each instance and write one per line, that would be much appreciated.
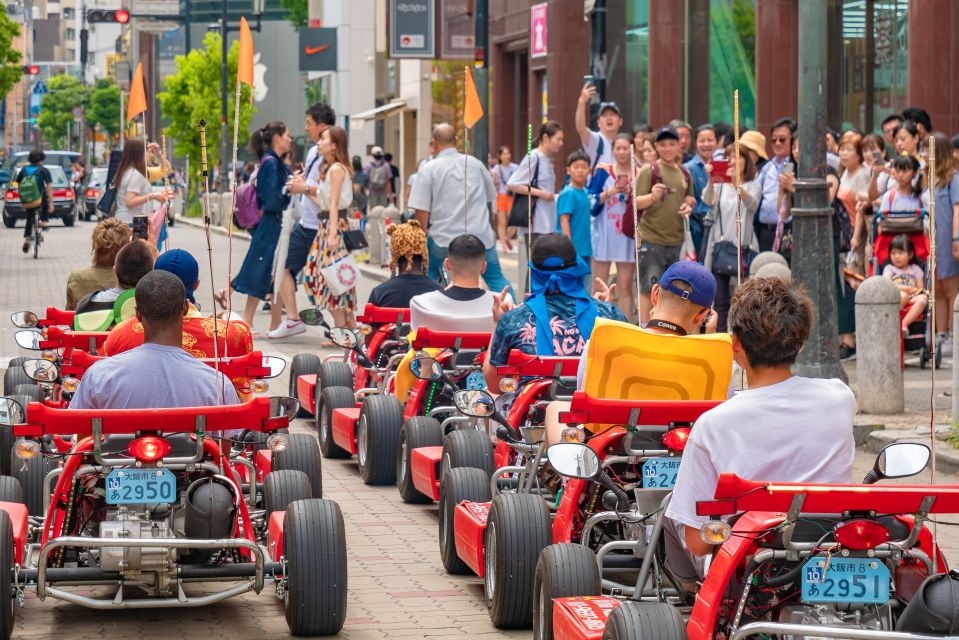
(133, 189)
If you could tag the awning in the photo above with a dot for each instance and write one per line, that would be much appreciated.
(380, 112)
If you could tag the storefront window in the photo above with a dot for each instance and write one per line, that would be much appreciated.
(627, 66)
(732, 60)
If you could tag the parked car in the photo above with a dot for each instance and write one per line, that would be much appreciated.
(13, 163)
(92, 192)
(64, 201)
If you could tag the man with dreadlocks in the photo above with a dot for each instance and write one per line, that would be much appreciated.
(409, 260)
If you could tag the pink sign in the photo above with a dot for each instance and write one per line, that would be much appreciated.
(537, 30)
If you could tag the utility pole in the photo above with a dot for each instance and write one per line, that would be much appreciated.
(481, 73)
(224, 135)
(597, 57)
(812, 258)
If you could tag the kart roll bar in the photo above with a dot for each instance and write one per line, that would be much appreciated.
(57, 317)
(85, 340)
(527, 365)
(426, 338)
(253, 416)
(384, 315)
(586, 409)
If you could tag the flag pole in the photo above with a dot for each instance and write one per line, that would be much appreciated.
(529, 204)
(166, 176)
(205, 173)
(632, 194)
(739, 196)
(229, 221)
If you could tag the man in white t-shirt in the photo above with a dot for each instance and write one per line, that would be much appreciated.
(597, 144)
(784, 428)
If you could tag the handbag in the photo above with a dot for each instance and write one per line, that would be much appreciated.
(341, 275)
(108, 201)
(726, 258)
(523, 209)
(354, 239)
(896, 222)
(247, 213)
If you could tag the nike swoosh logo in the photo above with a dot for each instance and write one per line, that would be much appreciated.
(312, 50)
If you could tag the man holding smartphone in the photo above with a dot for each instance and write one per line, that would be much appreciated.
(781, 136)
(598, 145)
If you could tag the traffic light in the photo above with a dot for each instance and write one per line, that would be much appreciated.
(30, 69)
(118, 16)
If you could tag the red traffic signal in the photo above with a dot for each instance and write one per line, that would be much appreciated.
(122, 16)
(118, 16)
(31, 70)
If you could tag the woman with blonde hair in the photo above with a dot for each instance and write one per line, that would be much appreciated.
(109, 236)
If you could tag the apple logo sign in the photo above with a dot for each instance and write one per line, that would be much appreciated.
(259, 79)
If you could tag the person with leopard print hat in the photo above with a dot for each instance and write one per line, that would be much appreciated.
(408, 263)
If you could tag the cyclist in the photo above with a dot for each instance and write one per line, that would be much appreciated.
(35, 185)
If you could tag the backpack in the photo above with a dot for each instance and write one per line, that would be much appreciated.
(628, 228)
(248, 213)
(378, 177)
(31, 194)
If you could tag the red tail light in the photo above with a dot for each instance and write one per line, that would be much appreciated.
(91, 193)
(676, 439)
(149, 448)
(11, 195)
(861, 534)
(63, 193)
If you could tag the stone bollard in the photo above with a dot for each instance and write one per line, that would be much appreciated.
(375, 234)
(764, 258)
(879, 365)
(774, 270)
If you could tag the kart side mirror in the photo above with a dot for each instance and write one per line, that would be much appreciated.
(345, 338)
(475, 403)
(313, 318)
(901, 460)
(41, 370)
(11, 412)
(276, 364)
(28, 339)
(283, 406)
(426, 367)
(573, 460)
(24, 319)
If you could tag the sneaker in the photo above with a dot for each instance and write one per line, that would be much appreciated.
(846, 353)
(287, 329)
(267, 307)
(26, 245)
(944, 344)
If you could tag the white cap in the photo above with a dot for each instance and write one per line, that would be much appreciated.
(376, 151)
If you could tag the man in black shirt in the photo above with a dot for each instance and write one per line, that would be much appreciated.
(409, 261)
(42, 181)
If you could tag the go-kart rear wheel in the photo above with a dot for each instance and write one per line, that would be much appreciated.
(334, 374)
(562, 570)
(302, 454)
(281, 488)
(32, 391)
(644, 621)
(7, 590)
(10, 490)
(30, 473)
(15, 375)
(327, 400)
(418, 431)
(463, 483)
(303, 364)
(314, 544)
(377, 439)
(468, 448)
(517, 530)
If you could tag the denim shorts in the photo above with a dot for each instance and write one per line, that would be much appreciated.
(653, 262)
(301, 240)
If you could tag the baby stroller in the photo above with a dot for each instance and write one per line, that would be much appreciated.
(921, 333)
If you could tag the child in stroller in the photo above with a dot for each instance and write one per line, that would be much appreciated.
(906, 274)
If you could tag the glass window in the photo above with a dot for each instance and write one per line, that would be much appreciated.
(732, 60)
(627, 53)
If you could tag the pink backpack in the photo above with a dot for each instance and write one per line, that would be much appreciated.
(248, 212)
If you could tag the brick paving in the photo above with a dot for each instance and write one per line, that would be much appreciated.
(397, 585)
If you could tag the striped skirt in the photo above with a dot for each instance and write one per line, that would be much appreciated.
(320, 257)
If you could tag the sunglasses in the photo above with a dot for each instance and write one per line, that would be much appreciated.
(780, 140)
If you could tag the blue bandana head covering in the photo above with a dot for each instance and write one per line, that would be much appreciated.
(567, 280)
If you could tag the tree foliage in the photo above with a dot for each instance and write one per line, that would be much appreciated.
(104, 107)
(193, 94)
(11, 60)
(299, 12)
(64, 92)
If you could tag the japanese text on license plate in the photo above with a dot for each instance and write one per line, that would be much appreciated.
(660, 473)
(852, 580)
(136, 486)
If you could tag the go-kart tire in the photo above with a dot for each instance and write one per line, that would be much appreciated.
(303, 364)
(418, 431)
(327, 400)
(281, 488)
(645, 621)
(30, 473)
(10, 490)
(7, 591)
(32, 391)
(517, 529)
(13, 376)
(463, 483)
(562, 570)
(334, 374)
(378, 438)
(468, 448)
(302, 454)
(314, 544)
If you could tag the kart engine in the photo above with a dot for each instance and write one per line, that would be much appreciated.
(152, 568)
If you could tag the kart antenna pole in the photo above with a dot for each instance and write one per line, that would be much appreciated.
(529, 204)
(632, 196)
(229, 221)
(466, 155)
(739, 195)
(205, 173)
(931, 331)
(166, 180)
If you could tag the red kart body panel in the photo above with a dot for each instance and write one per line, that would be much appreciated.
(469, 526)
(581, 617)
(344, 428)
(383, 315)
(274, 538)
(18, 520)
(263, 463)
(306, 391)
(250, 365)
(429, 339)
(425, 465)
(533, 366)
(90, 341)
(57, 317)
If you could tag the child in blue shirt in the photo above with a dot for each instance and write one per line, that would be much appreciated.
(573, 208)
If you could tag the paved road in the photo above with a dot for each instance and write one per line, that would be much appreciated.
(397, 586)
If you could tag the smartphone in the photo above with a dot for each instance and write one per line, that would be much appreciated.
(141, 227)
(789, 168)
(588, 80)
(876, 157)
(718, 174)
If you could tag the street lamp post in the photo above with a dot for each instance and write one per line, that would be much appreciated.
(812, 258)
(224, 72)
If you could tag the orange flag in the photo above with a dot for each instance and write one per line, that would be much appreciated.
(244, 68)
(474, 110)
(137, 103)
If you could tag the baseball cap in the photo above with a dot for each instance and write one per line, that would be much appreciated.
(376, 151)
(553, 251)
(666, 132)
(603, 106)
(698, 277)
(181, 264)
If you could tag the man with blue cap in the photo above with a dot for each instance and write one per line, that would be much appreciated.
(233, 339)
